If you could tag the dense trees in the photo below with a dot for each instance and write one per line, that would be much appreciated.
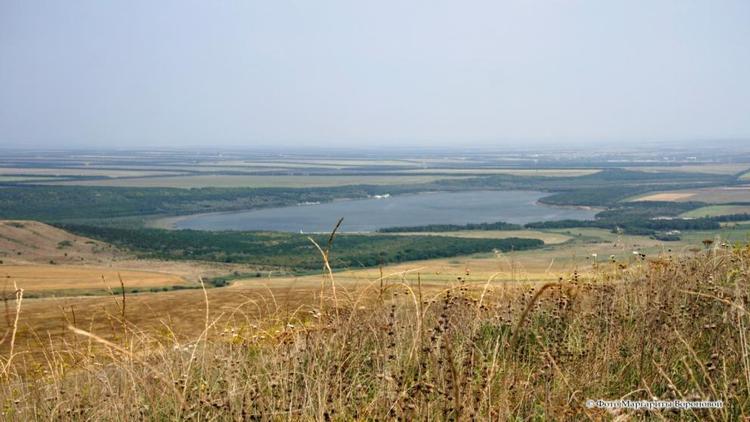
(500, 225)
(61, 203)
(641, 218)
(293, 250)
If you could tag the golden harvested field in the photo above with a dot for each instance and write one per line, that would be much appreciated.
(188, 270)
(58, 278)
(199, 181)
(43, 322)
(549, 238)
(675, 196)
(716, 195)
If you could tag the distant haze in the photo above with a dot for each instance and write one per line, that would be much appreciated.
(119, 74)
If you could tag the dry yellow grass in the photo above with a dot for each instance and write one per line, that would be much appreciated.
(484, 337)
(43, 323)
(181, 310)
(462, 351)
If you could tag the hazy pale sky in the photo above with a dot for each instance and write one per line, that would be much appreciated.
(354, 73)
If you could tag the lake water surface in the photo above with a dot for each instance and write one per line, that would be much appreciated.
(366, 215)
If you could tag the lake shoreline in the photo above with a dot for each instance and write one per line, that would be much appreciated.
(170, 223)
(375, 212)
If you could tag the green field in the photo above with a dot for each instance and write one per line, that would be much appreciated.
(718, 168)
(12, 179)
(717, 210)
(511, 171)
(255, 181)
(739, 232)
(84, 171)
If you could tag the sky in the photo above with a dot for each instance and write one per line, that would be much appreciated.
(120, 74)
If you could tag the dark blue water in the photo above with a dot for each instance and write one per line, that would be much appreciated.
(366, 215)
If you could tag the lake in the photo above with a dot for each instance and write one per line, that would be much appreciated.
(367, 215)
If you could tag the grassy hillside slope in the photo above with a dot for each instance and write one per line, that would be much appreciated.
(23, 241)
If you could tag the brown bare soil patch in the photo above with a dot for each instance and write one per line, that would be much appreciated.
(667, 196)
(715, 195)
